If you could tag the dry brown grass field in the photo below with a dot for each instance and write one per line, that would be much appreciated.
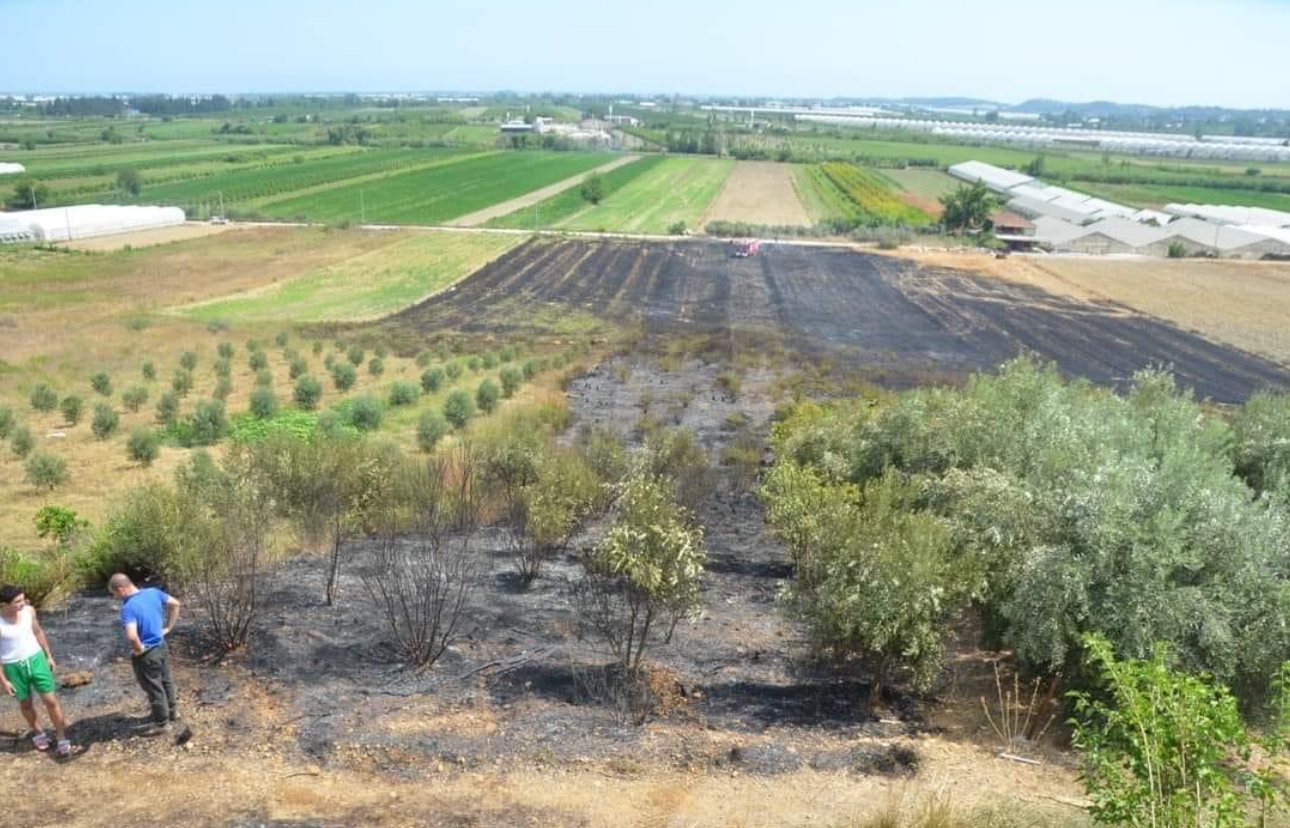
(759, 192)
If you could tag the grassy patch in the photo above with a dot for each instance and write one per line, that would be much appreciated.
(673, 190)
(570, 204)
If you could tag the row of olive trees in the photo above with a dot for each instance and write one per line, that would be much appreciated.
(1054, 509)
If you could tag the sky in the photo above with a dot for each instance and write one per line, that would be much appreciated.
(1210, 52)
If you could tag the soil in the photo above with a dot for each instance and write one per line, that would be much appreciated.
(888, 319)
(759, 192)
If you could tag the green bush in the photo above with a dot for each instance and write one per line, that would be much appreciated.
(474, 364)
(149, 372)
(308, 392)
(423, 359)
(299, 367)
(140, 537)
(487, 396)
(101, 383)
(225, 351)
(376, 366)
(144, 446)
(188, 360)
(208, 423)
(105, 421)
(223, 368)
(258, 360)
(458, 409)
(252, 345)
(365, 413)
(264, 403)
(46, 471)
(223, 387)
(281, 339)
(167, 408)
(731, 383)
(71, 407)
(21, 442)
(530, 369)
(6, 422)
(343, 376)
(182, 382)
(432, 380)
(490, 361)
(134, 398)
(431, 428)
(508, 354)
(1177, 250)
(264, 379)
(44, 398)
(329, 362)
(39, 575)
(511, 379)
(403, 393)
(355, 355)
(380, 351)
(453, 369)
(331, 423)
(317, 347)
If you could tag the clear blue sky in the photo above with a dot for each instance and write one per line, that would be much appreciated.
(1225, 52)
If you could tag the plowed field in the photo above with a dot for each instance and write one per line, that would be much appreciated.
(897, 322)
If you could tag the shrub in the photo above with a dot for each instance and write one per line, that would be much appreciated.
(318, 347)
(355, 355)
(144, 446)
(643, 577)
(508, 354)
(105, 421)
(223, 368)
(487, 396)
(139, 537)
(188, 360)
(134, 398)
(167, 408)
(474, 364)
(431, 428)
(71, 407)
(458, 409)
(21, 442)
(423, 359)
(299, 367)
(182, 382)
(432, 380)
(380, 351)
(308, 392)
(490, 361)
(511, 380)
(343, 376)
(530, 369)
(676, 228)
(149, 372)
(731, 383)
(264, 379)
(376, 366)
(223, 387)
(258, 360)
(225, 351)
(403, 393)
(281, 339)
(40, 574)
(1177, 250)
(46, 471)
(331, 424)
(453, 370)
(44, 398)
(365, 413)
(101, 383)
(6, 422)
(208, 423)
(264, 403)
(252, 345)
(329, 362)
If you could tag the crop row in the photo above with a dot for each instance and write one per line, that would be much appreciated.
(871, 195)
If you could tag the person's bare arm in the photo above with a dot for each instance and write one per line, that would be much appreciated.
(172, 615)
(39, 632)
(132, 638)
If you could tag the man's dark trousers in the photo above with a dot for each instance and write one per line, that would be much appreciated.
(152, 671)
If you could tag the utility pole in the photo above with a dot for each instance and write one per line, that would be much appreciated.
(362, 207)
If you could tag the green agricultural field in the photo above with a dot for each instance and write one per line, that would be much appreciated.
(1158, 195)
(367, 286)
(569, 205)
(923, 183)
(440, 193)
(676, 189)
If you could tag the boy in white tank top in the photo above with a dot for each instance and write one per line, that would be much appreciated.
(28, 667)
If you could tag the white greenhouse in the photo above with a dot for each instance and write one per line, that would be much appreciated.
(84, 221)
(9, 168)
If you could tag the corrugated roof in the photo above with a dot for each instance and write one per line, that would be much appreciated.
(996, 178)
(1129, 232)
(1032, 207)
(1057, 231)
(1217, 236)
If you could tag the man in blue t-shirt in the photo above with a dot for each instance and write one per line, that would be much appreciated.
(147, 616)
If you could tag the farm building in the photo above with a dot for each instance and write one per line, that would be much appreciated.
(13, 231)
(996, 178)
(85, 221)
(1231, 215)
(10, 168)
(1009, 223)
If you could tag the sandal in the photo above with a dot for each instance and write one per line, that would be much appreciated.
(64, 748)
(40, 740)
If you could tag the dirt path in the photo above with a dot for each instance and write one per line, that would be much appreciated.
(148, 238)
(482, 216)
(759, 192)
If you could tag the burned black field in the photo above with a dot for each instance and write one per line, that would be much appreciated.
(891, 321)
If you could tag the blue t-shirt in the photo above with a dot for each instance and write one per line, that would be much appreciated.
(147, 609)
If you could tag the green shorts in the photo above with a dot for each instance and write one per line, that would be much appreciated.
(32, 674)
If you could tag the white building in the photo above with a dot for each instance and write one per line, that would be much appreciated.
(84, 221)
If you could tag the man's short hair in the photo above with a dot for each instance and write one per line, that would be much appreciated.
(8, 592)
(119, 581)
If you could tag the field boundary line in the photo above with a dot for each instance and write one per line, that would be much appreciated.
(480, 217)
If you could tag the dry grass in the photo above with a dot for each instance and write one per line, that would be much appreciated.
(759, 192)
(149, 238)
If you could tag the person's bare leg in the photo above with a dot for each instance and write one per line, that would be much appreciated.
(28, 708)
(55, 711)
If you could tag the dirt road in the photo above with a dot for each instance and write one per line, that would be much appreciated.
(480, 217)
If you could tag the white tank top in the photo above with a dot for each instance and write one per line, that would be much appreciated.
(17, 641)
